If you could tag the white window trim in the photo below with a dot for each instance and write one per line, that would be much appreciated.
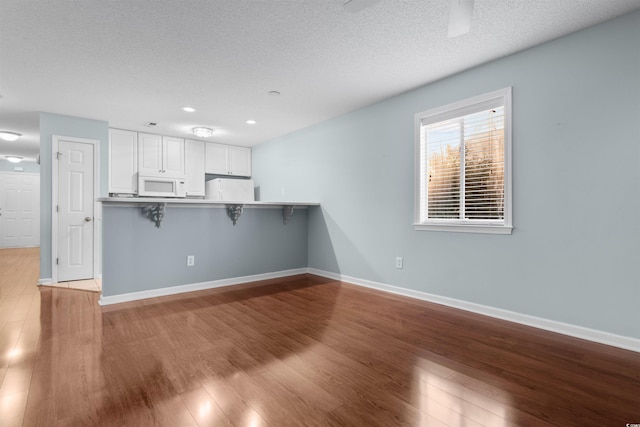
(467, 226)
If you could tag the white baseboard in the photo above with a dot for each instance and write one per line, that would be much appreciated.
(601, 337)
(152, 293)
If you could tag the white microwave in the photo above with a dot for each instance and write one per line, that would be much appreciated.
(154, 186)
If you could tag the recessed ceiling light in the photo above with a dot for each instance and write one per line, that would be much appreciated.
(189, 109)
(14, 159)
(251, 122)
(9, 136)
(274, 93)
(202, 132)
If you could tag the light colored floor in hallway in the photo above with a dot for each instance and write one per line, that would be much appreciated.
(19, 329)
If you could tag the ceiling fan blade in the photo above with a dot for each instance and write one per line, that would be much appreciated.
(355, 6)
(460, 17)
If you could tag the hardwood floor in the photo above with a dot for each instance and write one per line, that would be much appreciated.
(301, 351)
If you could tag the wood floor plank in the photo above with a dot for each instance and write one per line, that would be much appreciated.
(16, 380)
(12, 409)
(204, 409)
(233, 403)
(8, 340)
(302, 350)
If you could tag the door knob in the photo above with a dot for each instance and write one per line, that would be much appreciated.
(87, 218)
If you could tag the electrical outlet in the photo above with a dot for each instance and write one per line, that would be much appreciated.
(399, 262)
(191, 261)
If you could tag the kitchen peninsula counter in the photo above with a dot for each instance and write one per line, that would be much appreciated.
(147, 242)
(184, 202)
(156, 206)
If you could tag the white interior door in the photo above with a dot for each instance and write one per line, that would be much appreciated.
(75, 210)
(19, 209)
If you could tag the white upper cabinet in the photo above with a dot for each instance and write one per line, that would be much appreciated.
(149, 154)
(123, 161)
(173, 156)
(160, 155)
(223, 159)
(132, 153)
(240, 161)
(194, 167)
(216, 158)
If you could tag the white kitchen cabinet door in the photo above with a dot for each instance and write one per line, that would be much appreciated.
(216, 161)
(160, 155)
(239, 161)
(123, 161)
(194, 167)
(224, 159)
(172, 156)
(150, 154)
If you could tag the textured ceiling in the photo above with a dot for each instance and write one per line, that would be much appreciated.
(131, 62)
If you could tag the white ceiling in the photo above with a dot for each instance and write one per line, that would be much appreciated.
(131, 62)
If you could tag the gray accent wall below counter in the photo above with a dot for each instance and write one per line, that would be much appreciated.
(137, 256)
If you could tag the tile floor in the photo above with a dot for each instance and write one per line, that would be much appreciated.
(94, 285)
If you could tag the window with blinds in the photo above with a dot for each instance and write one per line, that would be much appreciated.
(463, 169)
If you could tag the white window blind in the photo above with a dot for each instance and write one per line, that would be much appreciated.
(463, 170)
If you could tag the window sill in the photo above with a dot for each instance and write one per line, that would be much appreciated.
(464, 228)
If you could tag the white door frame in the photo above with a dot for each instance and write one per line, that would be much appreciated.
(54, 202)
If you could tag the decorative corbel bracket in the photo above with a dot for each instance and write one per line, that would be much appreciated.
(234, 212)
(155, 212)
(287, 211)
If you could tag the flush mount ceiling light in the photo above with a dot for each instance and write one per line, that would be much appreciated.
(9, 136)
(273, 93)
(189, 109)
(202, 132)
(14, 159)
(251, 122)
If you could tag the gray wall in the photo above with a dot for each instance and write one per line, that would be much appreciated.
(27, 167)
(573, 256)
(139, 257)
(54, 124)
